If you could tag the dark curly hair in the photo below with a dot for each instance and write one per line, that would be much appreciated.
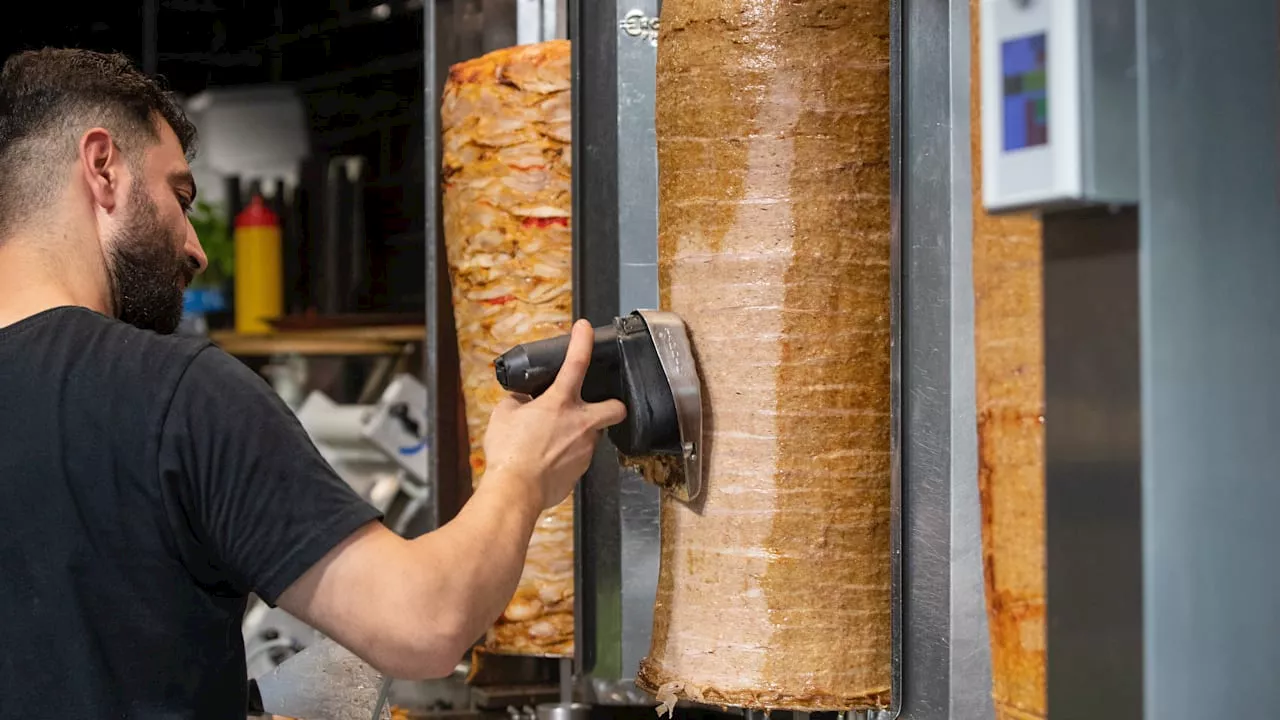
(49, 97)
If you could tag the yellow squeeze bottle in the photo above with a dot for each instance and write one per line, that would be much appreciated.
(259, 279)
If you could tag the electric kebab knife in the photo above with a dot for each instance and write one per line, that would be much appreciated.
(646, 361)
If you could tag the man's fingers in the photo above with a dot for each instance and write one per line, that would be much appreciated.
(577, 359)
(606, 414)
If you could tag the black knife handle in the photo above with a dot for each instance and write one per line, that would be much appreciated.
(530, 369)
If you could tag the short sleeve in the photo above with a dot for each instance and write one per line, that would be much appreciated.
(252, 502)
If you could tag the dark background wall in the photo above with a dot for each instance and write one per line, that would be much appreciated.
(357, 65)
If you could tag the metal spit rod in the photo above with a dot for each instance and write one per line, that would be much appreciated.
(566, 681)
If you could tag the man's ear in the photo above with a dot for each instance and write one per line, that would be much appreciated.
(102, 167)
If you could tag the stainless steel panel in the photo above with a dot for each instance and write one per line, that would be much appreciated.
(945, 654)
(1109, 100)
(1210, 247)
(638, 514)
(637, 208)
(637, 147)
(1092, 464)
(970, 648)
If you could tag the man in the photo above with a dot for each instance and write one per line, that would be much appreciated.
(149, 483)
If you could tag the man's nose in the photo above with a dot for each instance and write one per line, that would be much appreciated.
(195, 251)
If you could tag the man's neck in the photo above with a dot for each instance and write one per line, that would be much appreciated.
(31, 282)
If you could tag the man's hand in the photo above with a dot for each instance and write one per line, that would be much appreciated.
(412, 608)
(549, 441)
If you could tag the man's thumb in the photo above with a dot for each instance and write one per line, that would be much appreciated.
(607, 414)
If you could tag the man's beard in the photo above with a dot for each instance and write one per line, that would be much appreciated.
(147, 270)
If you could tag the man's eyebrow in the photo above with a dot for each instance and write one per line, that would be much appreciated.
(180, 178)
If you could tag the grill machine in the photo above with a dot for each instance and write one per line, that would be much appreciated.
(1161, 348)
(940, 645)
(940, 658)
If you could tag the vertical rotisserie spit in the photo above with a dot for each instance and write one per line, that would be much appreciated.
(506, 123)
(1009, 347)
(774, 246)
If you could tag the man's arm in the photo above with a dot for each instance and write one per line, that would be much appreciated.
(412, 608)
(252, 505)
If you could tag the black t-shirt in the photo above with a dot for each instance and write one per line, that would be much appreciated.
(147, 485)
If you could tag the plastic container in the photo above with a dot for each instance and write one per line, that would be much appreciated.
(259, 278)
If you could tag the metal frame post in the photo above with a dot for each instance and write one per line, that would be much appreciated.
(946, 653)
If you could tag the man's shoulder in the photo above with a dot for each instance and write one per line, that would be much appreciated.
(187, 371)
(81, 345)
(118, 341)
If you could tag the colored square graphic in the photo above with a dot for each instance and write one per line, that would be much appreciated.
(1025, 91)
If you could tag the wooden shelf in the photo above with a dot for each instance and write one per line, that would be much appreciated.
(379, 340)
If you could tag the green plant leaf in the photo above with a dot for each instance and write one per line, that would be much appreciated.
(212, 228)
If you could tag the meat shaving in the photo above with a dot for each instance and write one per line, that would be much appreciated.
(668, 696)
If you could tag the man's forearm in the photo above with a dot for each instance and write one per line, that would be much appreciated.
(413, 607)
(473, 563)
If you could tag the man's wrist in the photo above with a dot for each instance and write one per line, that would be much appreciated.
(520, 488)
